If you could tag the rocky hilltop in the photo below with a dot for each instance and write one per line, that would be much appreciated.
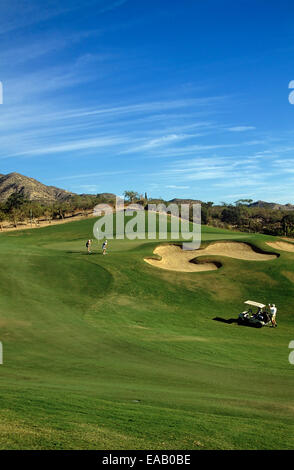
(30, 188)
(272, 205)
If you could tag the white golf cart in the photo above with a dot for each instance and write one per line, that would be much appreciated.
(257, 319)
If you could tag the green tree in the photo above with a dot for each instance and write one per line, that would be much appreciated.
(15, 200)
(230, 215)
(288, 224)
(204, 215)
(243, 202)
(15, 215)
(3, 217)
(131, 196)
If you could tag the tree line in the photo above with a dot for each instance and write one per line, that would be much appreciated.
(18, 209)
(239, 216)
(245, 218)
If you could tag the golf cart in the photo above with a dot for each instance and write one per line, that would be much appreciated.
(258, 319)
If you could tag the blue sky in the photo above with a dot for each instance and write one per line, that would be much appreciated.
(176, 98)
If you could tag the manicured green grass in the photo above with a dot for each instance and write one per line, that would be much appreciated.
(108, 352)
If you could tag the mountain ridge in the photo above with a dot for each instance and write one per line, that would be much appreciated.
(34, 190)
(30, 188)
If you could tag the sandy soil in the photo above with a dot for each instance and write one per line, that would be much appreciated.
(174, 258)
(8, 227)
(44, 223)
(284, 246)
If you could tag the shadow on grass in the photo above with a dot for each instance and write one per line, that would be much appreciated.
(229, 321)
(82, 253)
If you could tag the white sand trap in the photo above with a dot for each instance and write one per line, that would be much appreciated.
(174, 258)
(284, 246)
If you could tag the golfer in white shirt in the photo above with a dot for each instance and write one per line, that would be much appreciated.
(273, 310)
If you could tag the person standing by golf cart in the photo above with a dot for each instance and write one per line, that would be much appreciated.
(104, 246)
(261, 318)
(273, 311)
(88, 245)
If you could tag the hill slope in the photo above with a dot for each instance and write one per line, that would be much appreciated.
(272, 205)
(32, 189)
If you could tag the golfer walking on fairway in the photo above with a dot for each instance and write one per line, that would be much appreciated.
(88, 245)
(104, 246)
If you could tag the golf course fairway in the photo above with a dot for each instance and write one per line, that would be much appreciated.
(109, 352)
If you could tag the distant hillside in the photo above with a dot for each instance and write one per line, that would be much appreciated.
(185, 201)
(272, 205)
(30, 188)
(106, 196)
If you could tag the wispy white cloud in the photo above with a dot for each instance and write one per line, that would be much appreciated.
(174, 186)
(241, 128)
(19, 14)
(199, 148)
(41, 45)
(219, 172)
(162, 141)
(99, 174)
(39, 84)
(30, 129)
(150, 106)
(72, 146)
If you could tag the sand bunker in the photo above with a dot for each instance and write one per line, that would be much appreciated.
(237, 250)
(174, 258)
(284, 246)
